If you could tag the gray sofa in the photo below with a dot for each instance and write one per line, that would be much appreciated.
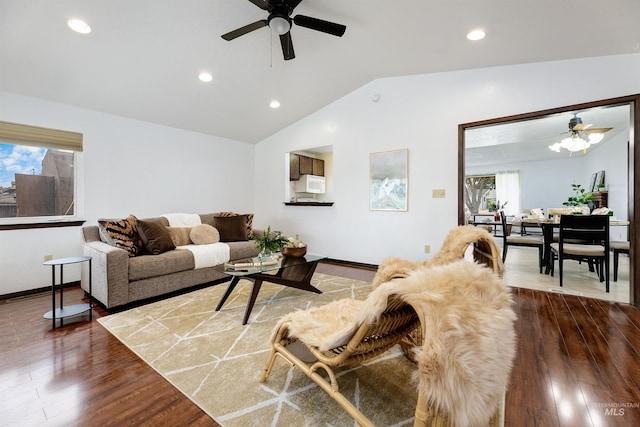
(119, 279)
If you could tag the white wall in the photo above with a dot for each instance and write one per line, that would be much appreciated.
(130, 167)
(420, 113)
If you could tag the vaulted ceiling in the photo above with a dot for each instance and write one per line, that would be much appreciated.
(143, 57)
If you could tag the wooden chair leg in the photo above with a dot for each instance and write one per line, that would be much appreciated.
(540, 258)
(560, 265)
(606, 273)
(615, 265)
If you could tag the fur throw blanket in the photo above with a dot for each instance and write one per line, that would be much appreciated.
(453, 248)
(469, 344)
(468, 348)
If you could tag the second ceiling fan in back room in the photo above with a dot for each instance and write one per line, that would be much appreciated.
(581, 137)
(280, 21)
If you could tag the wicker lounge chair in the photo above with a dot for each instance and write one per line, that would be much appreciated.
(370, 328)
(369, 340)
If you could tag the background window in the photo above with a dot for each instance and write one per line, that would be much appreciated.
(37, 172)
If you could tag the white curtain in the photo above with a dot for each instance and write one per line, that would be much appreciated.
(508, 190)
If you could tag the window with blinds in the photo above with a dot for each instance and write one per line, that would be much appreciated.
(38, 173)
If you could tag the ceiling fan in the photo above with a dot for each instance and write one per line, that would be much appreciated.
(581, 137)
(280, 21)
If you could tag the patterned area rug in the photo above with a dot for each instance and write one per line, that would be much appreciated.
(217, 362)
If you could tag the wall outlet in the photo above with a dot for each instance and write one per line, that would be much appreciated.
(437, 194)
(48, 258)
(427, 249)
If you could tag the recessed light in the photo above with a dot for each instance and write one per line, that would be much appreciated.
(476, 35)
(205, 77)
(79, 26)
(274, 104)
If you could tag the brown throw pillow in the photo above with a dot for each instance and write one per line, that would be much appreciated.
(204, 234)
(155, 236)
(123, 233)
(232, 228)
(180, 235)
(248, 216)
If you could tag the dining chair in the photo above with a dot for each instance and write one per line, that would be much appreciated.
(618, 248)
(593, 230)
(508, 239)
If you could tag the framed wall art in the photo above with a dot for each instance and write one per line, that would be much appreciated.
(388, 180)
(599, 181)
(592, 183)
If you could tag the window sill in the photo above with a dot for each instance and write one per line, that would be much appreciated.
(48, 224)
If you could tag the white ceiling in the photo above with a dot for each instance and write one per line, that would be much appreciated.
(143, 57)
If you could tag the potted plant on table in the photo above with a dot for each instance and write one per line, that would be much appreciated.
(269, 242)
(581, 197)
(496, 207)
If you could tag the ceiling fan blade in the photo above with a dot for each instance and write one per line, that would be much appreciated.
(320, 25)
(581, 126)
(293, 3)
(262, 4)
(597, 130)
(287, 46)
(244, 30)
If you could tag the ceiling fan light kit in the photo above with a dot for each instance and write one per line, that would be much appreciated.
(279, 25)
(280, 22)
(581, 137)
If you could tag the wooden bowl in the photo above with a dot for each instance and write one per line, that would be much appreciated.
(293, 252)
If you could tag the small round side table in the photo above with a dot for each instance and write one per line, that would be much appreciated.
(71, 310)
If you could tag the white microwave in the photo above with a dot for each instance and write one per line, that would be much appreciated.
(310, 184)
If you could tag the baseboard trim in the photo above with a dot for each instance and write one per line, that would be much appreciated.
(353, 264)
(36, 291)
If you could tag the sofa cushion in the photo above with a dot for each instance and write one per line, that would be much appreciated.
(242, 250)
(123, 234)
(232, 228)
(180, 235)
(204, 234)
(155, 236)
(148, 266)
(209, 218)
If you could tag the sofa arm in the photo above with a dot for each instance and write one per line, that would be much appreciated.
(110, 273)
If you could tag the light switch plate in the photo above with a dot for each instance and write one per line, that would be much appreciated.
(437, 194)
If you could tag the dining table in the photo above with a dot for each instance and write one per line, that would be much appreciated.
(548, 226)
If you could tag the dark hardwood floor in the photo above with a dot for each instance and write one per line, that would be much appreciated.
(578, 364)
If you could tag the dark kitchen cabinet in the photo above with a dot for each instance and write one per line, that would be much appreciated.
(303, 165)
(294, 167)
(306, 165)
(318, 167)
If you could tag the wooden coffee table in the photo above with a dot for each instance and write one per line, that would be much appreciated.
(294, 272)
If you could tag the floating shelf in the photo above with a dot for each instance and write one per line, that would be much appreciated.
(308, 203)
